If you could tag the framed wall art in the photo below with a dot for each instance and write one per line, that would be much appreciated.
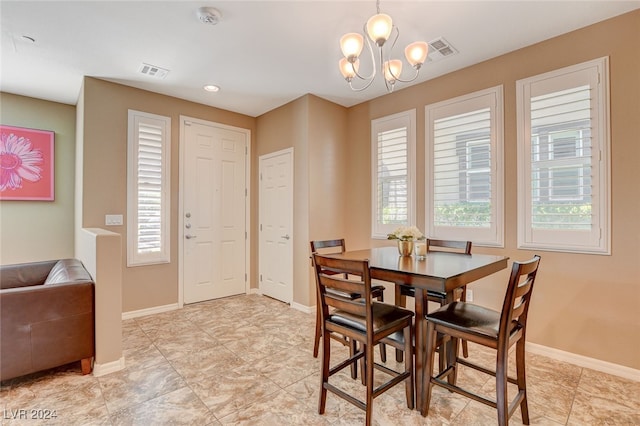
(26, 164)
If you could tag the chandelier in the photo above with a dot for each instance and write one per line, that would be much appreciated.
(379, 29)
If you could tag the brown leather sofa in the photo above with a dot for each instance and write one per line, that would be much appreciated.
(46, 317)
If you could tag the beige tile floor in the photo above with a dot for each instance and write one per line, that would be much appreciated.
(247, 360)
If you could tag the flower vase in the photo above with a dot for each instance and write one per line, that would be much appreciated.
(405, 247)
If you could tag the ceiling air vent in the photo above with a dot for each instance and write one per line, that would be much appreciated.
(440, 48)
(153, 71)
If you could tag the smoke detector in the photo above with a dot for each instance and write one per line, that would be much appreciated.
(209, 15)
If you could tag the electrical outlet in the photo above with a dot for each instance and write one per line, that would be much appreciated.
(113, 219)
(469, 295)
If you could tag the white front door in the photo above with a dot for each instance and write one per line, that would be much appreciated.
(276, 225)
(214, 197)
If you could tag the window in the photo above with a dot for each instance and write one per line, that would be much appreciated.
(393, 143)
(464, 168)
(148, 192)
(563, 183)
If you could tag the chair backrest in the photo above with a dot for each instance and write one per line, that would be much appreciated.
(331, 281)
(449, 245)
(328, 246)
(517, 299)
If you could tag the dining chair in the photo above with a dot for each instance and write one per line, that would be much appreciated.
(495, 330)
(402, 291)
(363, 320)
(377, 292)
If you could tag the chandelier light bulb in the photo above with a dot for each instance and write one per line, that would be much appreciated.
(392, 70)
(379, 28)
(349, 69)
(416, 53)
(351, 45)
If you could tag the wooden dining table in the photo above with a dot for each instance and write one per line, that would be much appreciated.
(439, 272)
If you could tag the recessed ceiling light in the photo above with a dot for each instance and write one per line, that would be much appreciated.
(211, 88)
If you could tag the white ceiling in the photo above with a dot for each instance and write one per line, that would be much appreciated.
(262, 54)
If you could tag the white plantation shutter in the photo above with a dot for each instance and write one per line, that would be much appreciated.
(464, 163)
(561, 171)
(148, 189)
(393, 177)
(563, 152)
(462, 169)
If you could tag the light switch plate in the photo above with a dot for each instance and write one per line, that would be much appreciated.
(113, 219)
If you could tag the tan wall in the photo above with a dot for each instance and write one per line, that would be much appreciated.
(583, 304)
(281, 128)
(316, 129)
(41, 230)
(104, 178)
(328, 165)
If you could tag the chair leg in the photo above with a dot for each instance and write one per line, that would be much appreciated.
(522, 381)
(363, 365)
(326, 358)
(408, 367)
(316, 341)
(369, 383)
(501, 388)
(352, 351)
(465, 349)
(401, 301)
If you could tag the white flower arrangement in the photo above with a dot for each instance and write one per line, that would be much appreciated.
(406, 233)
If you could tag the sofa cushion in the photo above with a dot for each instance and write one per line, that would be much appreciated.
(68, 271)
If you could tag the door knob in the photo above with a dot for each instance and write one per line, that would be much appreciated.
(188, 237)
(286, 237)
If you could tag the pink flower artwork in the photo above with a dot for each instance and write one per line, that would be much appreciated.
(26, 164)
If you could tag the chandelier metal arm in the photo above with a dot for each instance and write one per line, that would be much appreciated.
(397, 78)
(369, 80)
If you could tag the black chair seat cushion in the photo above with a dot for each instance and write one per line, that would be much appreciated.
(384, 316)
(376, 291)
(469, 318)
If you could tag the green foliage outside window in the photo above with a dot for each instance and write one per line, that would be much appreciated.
(463, 214)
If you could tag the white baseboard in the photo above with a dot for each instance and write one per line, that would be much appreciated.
(255, 291)
(150, 311)
(583, 361)
(303, 308)
(108, 368)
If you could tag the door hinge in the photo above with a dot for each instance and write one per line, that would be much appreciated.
(260, 176)
(246, 150)
(245, 277)
(246, 192)
(260, 277)
(245, 235)
(261, 227)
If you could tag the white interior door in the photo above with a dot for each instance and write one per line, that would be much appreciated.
(214, 200)
(276, 225)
